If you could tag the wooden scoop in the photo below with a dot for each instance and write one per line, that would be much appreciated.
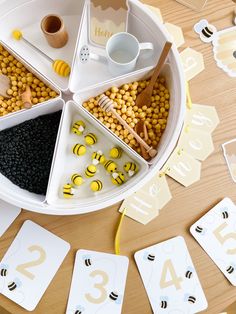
(107, 105)
(144, 98)
(141, 128)
(4, 85)
(26, 98)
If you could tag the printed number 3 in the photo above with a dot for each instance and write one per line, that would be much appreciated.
(22, 267)
(168, 266)
(99, 286)
(223, 238)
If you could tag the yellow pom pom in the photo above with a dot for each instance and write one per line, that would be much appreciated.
(90, 171)
(116, 152)
(16, 34)
(90, 139)
(77, 179)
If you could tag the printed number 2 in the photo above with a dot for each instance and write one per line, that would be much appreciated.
(223, 238)
(42, 256)
(100, 286)
(175, 280)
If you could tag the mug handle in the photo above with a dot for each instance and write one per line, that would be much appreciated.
(146, 46)
(96, 57)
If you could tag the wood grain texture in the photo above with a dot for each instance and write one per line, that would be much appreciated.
(96, 231)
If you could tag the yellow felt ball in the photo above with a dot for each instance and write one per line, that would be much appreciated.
(90, 171)
(96, 185)
(79, 149)
(16, 34)
(116, 152)
(77, 179)
(90, 139)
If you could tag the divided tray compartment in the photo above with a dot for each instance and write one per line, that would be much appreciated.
(26, 16)
(66, 163)
(9, 191)
(39, 75)
(82, 74)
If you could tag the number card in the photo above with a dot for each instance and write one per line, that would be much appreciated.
(8, 214)
(30, 264)
(216, 233)
(170, 278)
(98, 283)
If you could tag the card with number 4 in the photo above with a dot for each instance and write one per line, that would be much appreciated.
(170, 278)
(30, 264)
(216, 233)
(98, 283)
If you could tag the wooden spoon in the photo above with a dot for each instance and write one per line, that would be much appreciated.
(141, 128)
(4, 85)
(26, 98)
(144, 98)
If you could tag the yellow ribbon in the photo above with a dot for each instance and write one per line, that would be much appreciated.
(117, 237)
(189, 100)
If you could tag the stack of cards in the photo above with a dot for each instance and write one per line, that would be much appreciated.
(170, 278)
(98, 283)
(216, 233)
(30, 264)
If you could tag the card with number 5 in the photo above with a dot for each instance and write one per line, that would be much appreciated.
(98, 283)
(216, 233)
(170, 278)
(30, 264)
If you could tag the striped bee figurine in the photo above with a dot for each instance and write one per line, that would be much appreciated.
(68, 191)
(110, 166)
(116, 152)
(79, 149)
(96, 185)
(90, 139)
(98, 158)
(77, 179)
(78, 127)
(90, 171)
(118, 178)
(131, 168)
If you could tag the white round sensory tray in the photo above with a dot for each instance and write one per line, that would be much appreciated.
(86, 80)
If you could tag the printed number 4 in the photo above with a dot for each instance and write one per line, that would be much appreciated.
(174, 281)
(100, 286)
(223, 238)
(22, 268)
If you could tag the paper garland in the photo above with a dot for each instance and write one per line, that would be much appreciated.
(195, 145)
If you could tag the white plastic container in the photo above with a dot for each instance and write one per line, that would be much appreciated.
(87, 80)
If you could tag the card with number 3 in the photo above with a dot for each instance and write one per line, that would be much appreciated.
(98, 283)
(216, 233)
(170, 278)
(30, 264)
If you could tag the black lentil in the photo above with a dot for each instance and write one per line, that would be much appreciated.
(26, 152)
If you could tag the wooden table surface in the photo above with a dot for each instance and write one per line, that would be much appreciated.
(96, 231)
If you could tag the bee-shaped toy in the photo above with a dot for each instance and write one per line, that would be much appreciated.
(98, 157)
(116, 152)
(110, 166)
(223, 45)
(118, 178)
(96, 185)
(90, 139)
(77, 179)
(79, 149)
(78, 127)
(68, 191)
(131, 168)
(90, 171)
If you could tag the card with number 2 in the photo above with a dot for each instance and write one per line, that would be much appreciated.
(30, 264)
(98, 283)
(216, 233)
(170, 278)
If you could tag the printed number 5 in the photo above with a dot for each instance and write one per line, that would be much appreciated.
(42, 256)
(99, 286)
(223, 238)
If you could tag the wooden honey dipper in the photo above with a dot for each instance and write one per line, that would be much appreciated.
(108, 105)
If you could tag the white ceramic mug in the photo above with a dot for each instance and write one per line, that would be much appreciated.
(122, 52)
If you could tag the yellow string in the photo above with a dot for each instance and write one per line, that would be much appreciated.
(117, 237)
(189, 100)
